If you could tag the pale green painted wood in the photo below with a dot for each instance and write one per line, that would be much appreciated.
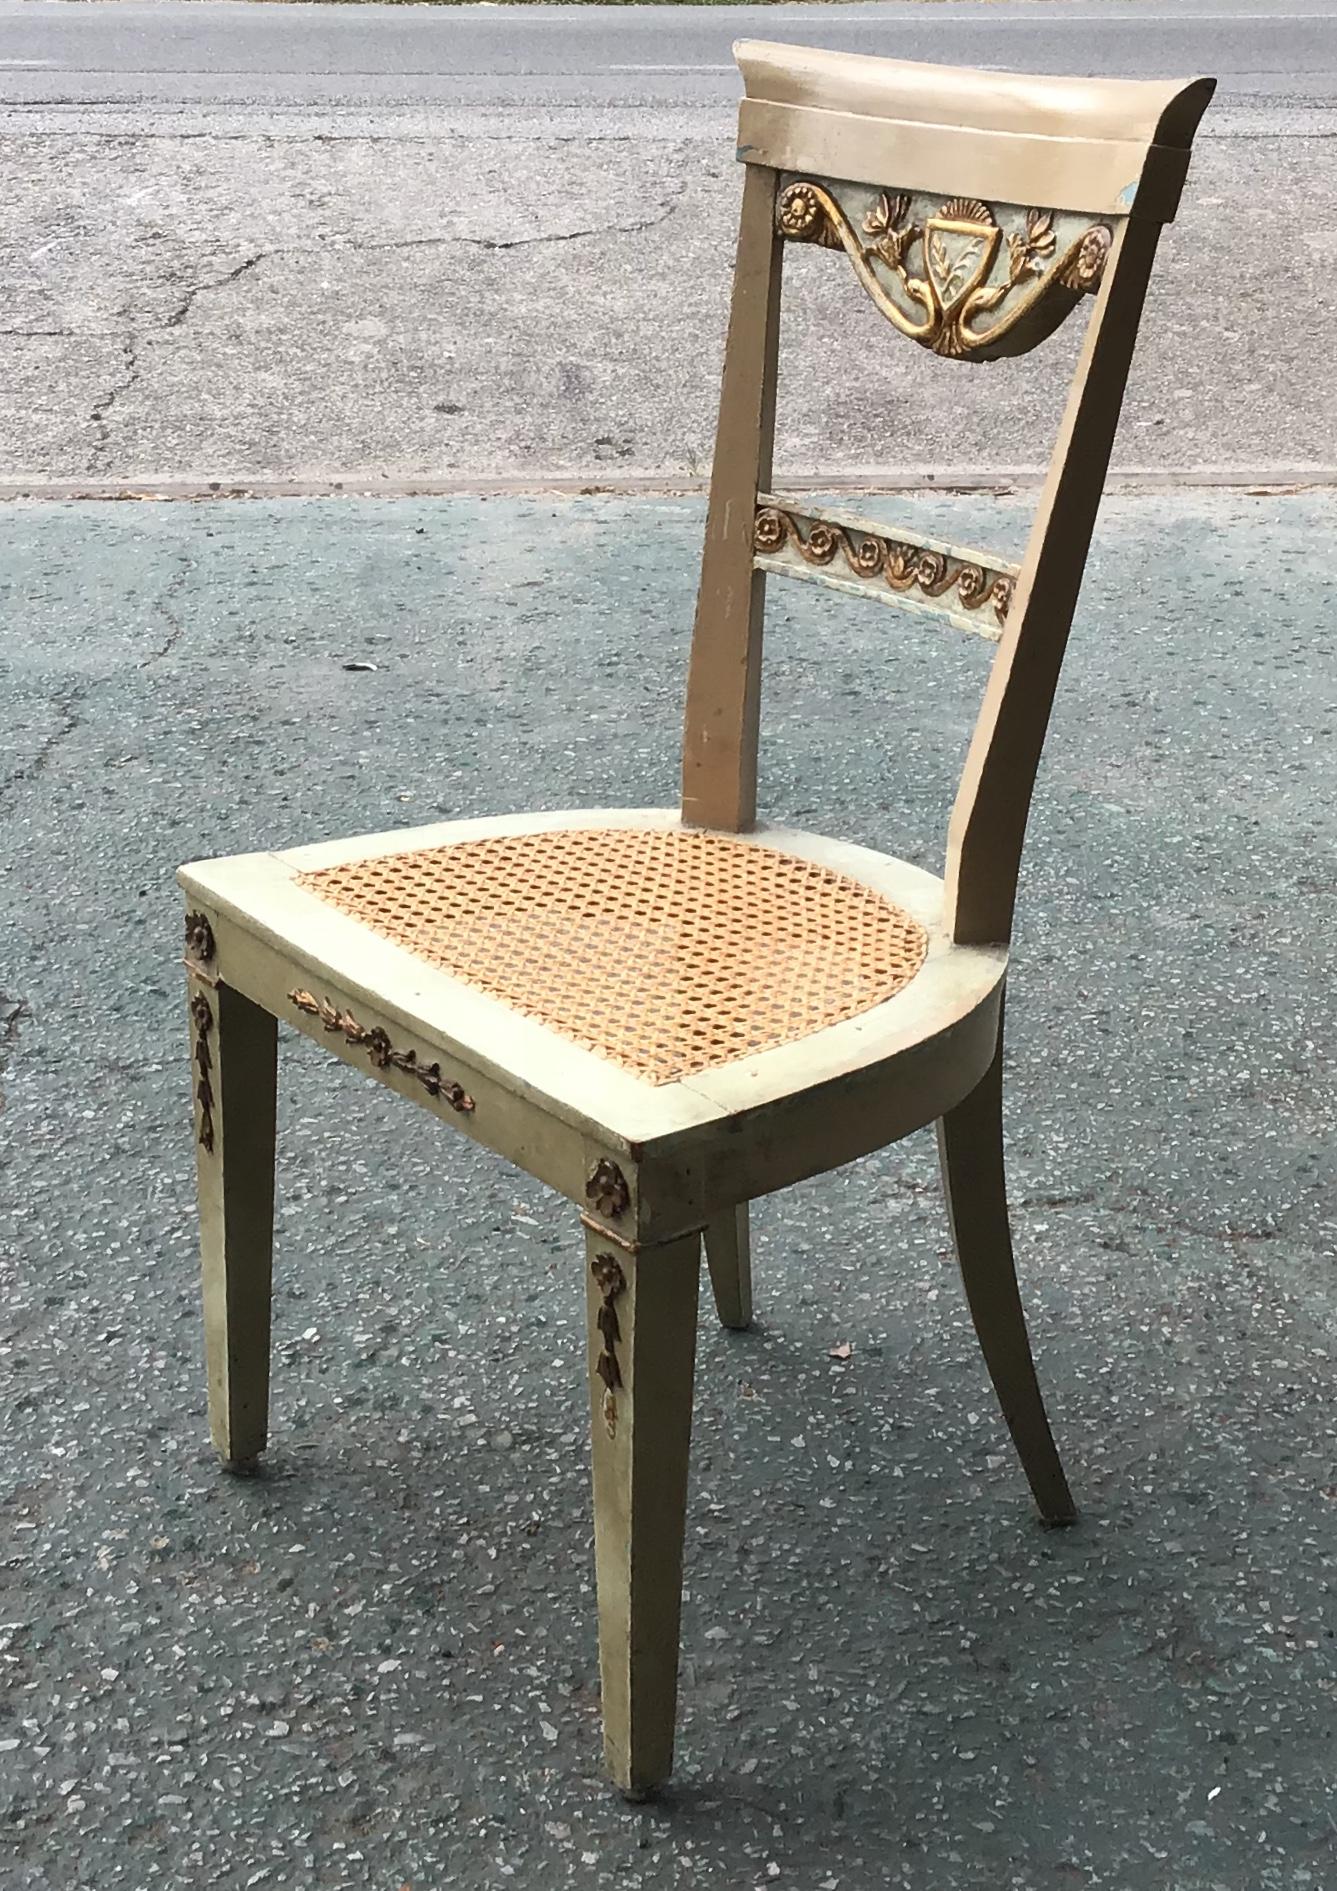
(728, 1243)
(970, 1145)
(236, 1195)
(641, 1429)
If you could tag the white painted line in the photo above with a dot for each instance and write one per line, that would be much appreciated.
(729, 68)
(13, 64)
(600, 482)
(1081, 19)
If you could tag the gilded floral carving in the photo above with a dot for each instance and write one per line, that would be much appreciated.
(202, 1017)
(883, 560)
(199, 938)
(610, 1281)
(375, 1040)
(938, 272)
(606, 1190)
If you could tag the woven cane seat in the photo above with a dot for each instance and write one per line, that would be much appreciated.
(665, 952)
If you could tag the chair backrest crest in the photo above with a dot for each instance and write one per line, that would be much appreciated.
(969, 280)
(1103, 146)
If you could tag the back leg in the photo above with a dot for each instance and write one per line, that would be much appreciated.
(970, 1146)
(729, 1257)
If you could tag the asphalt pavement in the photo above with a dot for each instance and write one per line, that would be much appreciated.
(396, 246)
(416, 244)
(375, 1666)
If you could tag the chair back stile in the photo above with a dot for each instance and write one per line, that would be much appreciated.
(977, 210)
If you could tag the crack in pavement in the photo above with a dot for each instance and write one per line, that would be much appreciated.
(166, 603)
(18, 1013)
(177, 317)
(101, 407)
(133, 342)
(67, 708)
(192, 295)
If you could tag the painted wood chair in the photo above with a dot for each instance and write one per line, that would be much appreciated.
(663, 1013)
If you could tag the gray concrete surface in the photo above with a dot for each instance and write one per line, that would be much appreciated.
(406, 242)
(375, 1666)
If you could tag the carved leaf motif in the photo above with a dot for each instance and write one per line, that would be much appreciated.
(892, 247)
(885, 215)
(952, 267)
(375, 1040)
(1027, 253)
(901, 567)
(953, 284)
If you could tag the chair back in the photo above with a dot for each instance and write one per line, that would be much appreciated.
(977, 210)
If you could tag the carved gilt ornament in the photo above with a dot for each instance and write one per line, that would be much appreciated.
(610, 1282)
(937, 270)
(606, 1190)
(202, 1017)
(960, 585)
(375, 1041)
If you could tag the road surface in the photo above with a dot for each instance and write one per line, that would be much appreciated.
(407, 244)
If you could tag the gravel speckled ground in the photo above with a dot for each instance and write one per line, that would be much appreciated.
(375, 1665)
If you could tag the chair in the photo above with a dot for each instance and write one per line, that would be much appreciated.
(664, 1014)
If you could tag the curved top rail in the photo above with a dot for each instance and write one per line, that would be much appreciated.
(1108, 147)
(1144, 111)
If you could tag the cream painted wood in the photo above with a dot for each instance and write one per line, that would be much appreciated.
(1108, 147)
(504, 1118)
(640, 1419)
(723, 715)
(728, 1244)
(970, 1145)
(234, 1147)
(274, 936)
(1105, 179)
(1027, 104)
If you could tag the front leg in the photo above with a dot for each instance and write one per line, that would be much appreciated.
(642, 1348)
(234, 1069)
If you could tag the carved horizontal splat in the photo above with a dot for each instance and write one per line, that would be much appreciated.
(936, 269)
(970, 589)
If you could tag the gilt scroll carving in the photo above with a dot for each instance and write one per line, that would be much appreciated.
(610, 1282)
(939, 270)
(202, 1017)
(889, 563)
(967, 589)
(375, 1041)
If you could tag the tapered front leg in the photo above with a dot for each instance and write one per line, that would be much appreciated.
(642, 1349)
(970, 1143)
(234, 1057)
(729, 1257)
